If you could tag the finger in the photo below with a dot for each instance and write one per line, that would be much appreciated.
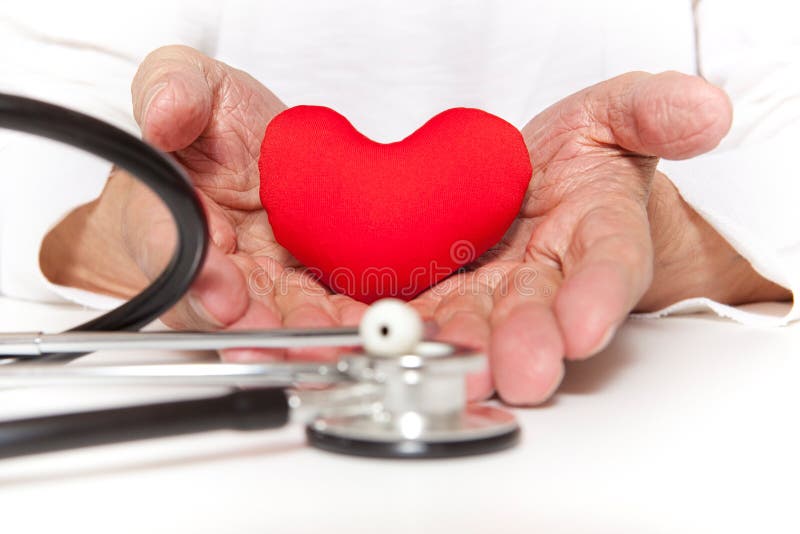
(526, 348)
(463, 318)
(608, 267)
(148, 230)
(426, 302)
(257, 316)
(348, 310)
(173, 96)
(260, 274)
(177, 88)
(218, 297)
(149, 239)
(471, 330)
(262, 311)
(669, 115)
(304, 303)
(220, 228)
(311, 316)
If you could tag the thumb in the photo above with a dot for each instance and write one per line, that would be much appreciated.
(669, 115)
(173, 93)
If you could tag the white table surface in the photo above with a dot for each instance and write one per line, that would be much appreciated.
(685, 424)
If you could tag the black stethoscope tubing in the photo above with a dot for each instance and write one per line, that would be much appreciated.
(156, 170)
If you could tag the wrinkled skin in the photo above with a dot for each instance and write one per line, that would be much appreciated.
(582, 254)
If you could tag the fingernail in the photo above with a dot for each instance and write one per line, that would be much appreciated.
(201, 312)
(148, 99)
(604, 341)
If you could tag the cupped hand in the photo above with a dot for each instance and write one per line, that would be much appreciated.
(580, 255)
(211, 118)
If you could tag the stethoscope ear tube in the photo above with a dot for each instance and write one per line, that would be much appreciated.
(154, 169)
(251, 409)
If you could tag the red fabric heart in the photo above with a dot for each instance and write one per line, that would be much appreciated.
(376, 220)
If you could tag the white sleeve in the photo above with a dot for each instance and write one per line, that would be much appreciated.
(748, 189)
(80, 54)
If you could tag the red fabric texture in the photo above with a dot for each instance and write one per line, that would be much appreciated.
(376, 220)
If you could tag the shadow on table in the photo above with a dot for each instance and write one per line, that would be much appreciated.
(113, 465)
(598, 372)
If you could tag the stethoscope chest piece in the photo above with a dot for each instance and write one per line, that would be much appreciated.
(419, 408)
(476, 430)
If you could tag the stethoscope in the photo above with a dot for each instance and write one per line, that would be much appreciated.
(397, 396)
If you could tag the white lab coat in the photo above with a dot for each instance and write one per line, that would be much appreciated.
(389, 66)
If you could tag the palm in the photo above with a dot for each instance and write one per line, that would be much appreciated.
(570, 172)
(555, 222)
(217, 141)
(223, 164)
(579, 255)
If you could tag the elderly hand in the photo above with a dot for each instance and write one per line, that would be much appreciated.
(581, 254)
(211, 117)
(579, 257)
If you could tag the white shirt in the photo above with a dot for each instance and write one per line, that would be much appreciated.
(389, 66)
